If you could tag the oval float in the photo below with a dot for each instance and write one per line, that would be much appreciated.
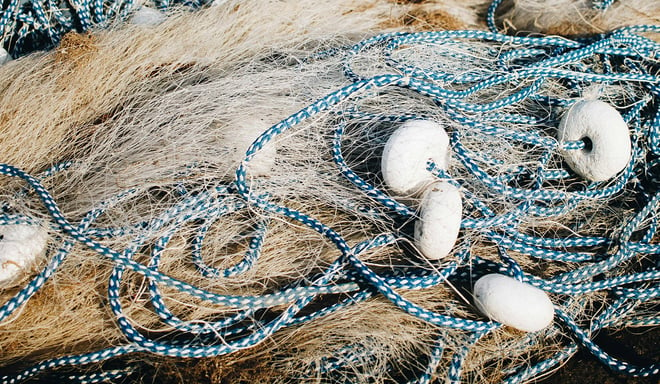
(4, 56)
(147, 16)
(513, 303)
(406, 152)
(246, 131)
(439, 221)
(20, 247)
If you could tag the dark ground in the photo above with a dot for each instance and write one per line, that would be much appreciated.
(640, 347)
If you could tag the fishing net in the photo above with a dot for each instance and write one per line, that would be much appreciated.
(239, 214)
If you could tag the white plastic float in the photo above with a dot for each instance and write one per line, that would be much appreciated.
(4, 56)
(406, 152)
(147, 16)
(513, 303)
(245, 132)
(606, 136)
(20, 247)
(439, 221)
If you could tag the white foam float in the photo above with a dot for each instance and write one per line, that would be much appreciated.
(4, 56)
(406, 153)
(439, 221)
(147, 16)
(20, 247)
(244, 133)
(513, 303)
(606, 136)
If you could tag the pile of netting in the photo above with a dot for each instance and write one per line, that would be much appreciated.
(30, 25)
(191, 252)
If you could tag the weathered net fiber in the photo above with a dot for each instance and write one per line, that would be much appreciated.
(32, 25)
(569, 17)
(168, 238)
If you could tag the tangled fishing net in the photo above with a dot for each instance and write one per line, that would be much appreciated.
(573, 17)
(243, 213)
(29, 25)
